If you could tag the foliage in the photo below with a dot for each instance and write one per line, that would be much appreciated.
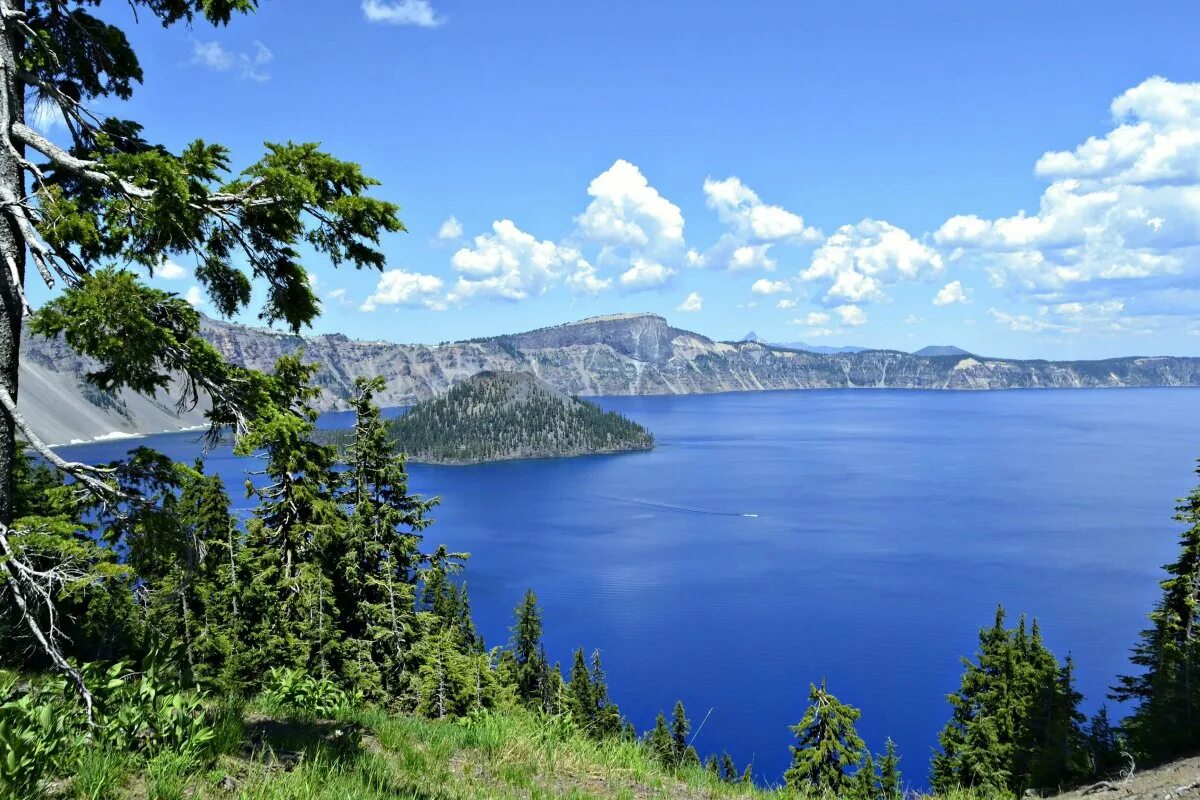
(826, 744)
(1166, 719)
(499, 415)
(1016, 723)
(297, 693)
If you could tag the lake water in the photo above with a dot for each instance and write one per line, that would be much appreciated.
(774, 538)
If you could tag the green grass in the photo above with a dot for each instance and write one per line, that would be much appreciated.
(371, 755)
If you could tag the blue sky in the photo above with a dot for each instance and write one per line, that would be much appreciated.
(1019, 180)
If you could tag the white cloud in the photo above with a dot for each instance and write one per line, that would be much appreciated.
(693, 302)
(450, 229)
(1120, 218)
(397, 287)
(171, 271)
(585, 280)
(949, 294)
(764, 286)
(816, 318)
(787, 303)
(739, 206)
(195, 297)
(214, 56)
(754, 227)
(645, 274)
(857, 261)
(511, 264)
(340, 297)
(627, 211)
(402, 12)
(402, 288)
(851, 315)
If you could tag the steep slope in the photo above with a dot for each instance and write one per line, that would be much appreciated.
(623, 354)
(496, 416)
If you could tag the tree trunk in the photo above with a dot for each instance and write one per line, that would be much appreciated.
(12, 247)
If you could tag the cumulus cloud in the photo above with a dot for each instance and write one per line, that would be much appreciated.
(195, 297)
(450, 229)
(248, 65)
(857, 261)
(402, 12)
(397, 287)
(764, 286)
(171, 271)
(1119, 220)
(627, 211)
(851, 315)
(585, 279)
(816, 318)
(511, 264)
(645, 274)
(787, 303)
(950, 294)
(754, 227)
(693, 302)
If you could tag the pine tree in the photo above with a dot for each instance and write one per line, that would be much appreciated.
(1103, 744)
(865, 783)
(289, 608)
(661, 743)
(1015, 722)
(532, 671)
(890, 786)
(1166, 719)
(748, 775)
(376, 564)
(827, 745)
(607, 715)
(729, 772)
(712, 767)
(581, 699)
(681, 726)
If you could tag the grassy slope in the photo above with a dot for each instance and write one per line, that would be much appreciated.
(370, 755)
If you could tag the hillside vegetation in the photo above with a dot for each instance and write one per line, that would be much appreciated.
(495, 416)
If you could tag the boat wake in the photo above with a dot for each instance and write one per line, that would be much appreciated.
(710, 512)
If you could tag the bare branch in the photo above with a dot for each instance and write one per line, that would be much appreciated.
(26, 583)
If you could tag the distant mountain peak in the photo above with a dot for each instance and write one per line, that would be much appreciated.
(751, 337)
(941, 350)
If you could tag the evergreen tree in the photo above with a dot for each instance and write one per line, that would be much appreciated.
(1015, 722)
(827, 745)
(1103, 744)
(375, 573)
(681, 726)
(661, 743)
(581, 699)
(712, 766)
(607, 721)
(532, 671)
(890, 786)
(865, 783)
(729, 772)
(1166, 689)
(288, 605)
(748, 775)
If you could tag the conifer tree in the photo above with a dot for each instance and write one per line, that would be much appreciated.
(1103, 744)
(748, 775)
(376, 566)
(890, 786)
(607, 715)
(827, 745)
(289, 608)
(865, 783)
(712, 766)
(1015, 722)
(532, 671)
(1166, 689)
(681, 726)
(729, 772)
(661, 743)
(581, 700)
(95, 219)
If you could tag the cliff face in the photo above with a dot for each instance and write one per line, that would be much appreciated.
(613, 355)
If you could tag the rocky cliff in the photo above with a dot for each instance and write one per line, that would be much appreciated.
(612, 355)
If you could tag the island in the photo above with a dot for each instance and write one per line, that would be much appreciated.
(499, 416)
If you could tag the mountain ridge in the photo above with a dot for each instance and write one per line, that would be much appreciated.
(623, 354)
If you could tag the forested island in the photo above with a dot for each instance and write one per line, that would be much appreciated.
(498, 416)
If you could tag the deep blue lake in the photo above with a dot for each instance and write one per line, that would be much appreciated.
(775, 538)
